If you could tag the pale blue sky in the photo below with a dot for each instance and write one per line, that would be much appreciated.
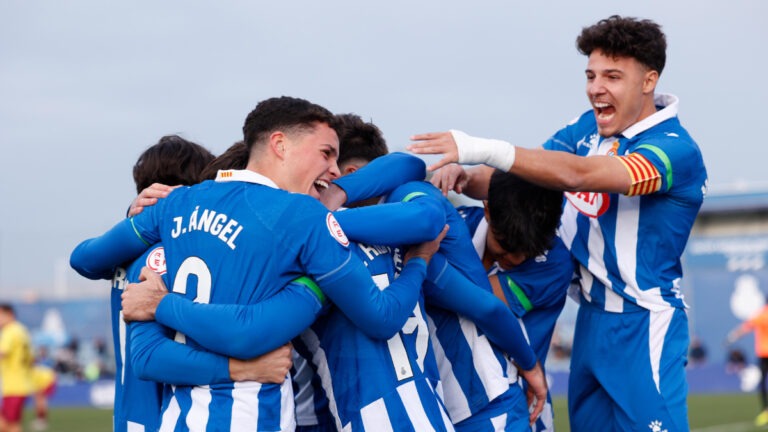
(86, 86)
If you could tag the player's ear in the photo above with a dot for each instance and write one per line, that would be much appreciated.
(277, 142)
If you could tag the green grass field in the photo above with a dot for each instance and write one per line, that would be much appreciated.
(708, 413)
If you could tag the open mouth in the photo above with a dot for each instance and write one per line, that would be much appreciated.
(321, 185)
(604, 111)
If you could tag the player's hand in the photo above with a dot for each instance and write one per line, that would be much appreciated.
(427, 249)
(536, 394)
(140, 300)
(271, 367)
(148, 197)
(451, 177)
(436, 143)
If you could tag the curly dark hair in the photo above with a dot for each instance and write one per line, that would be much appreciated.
(619, 36)
(284, 113)
(523, 216)
(359, 139)
(172, 161)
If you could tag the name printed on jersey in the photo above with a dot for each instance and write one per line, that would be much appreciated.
(211, 222)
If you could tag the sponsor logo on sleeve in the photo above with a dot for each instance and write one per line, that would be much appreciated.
(156, 260)
(591, 204)
(336, 231)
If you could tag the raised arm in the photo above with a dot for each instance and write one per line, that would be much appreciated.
(552, 169)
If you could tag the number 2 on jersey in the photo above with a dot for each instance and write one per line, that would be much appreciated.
(197, 267)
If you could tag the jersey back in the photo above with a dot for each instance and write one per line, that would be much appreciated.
(372, 384)
(473, 372)
(239, 242)
(137, 401)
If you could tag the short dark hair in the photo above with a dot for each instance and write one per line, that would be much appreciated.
(359, 139)
(619, 36)
(8, 308)
(284, 113)
(523, 216)
(235, 157)
(172, 161)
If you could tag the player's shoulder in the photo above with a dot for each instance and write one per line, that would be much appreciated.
(415, 189)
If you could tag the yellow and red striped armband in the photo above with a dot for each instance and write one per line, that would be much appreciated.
(646, 179)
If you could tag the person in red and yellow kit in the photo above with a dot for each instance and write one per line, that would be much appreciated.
(758, 324)
(15, 369)
(44, 385)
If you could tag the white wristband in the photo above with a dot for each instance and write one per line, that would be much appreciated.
(472, 151)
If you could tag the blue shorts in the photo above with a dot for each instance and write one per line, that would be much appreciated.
(508, 412)
(628, 370)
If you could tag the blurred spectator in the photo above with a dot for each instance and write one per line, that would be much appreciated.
(697, 352)
(758, 324)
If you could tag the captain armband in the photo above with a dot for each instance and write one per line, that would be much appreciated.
(646, 179)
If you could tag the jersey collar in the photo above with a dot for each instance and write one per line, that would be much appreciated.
(244, 176)
(668, 103)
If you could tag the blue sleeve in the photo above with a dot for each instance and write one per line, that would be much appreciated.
(449, 289)
(393, 224)
(155, 356)
(244, 331)
(378, 313)
(381, 176)
(98, 257)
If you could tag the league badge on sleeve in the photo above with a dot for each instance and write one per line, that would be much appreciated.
(156, 260)
(336, 231)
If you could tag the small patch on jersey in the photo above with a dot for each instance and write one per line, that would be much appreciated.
(156, 260)
(336, 231)
(646, 179)
(590, 204)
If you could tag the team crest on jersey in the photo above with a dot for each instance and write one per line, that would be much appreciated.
(590, 204)
(156, 260)
(656, 426)
(336, 231)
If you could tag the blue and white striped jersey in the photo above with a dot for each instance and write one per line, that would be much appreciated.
(137, 401)
(366, 383)
(628, 247)
(473, 371)
(535, 291)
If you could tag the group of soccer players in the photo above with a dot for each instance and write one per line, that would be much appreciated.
(368, 361)
(389, 303)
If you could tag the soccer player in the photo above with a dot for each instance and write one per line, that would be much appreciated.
(529, 267)
(44, 385)
(758, 324)
(173, 161)
(16, 360)
(242, 238)
(478, 394)
(635, 180)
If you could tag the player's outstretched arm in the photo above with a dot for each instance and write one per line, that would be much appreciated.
(97, 258)
(381, 176)
(382, 313)
(449, 289)
(393, 224)
(239, 331)
(155, 356)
